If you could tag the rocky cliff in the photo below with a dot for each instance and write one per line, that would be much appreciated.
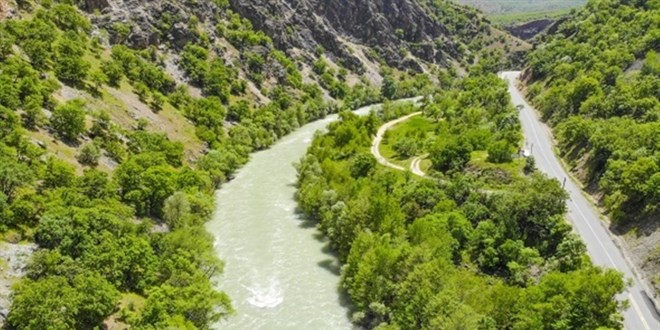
(360, 34)
(389, 27)
(531, 29)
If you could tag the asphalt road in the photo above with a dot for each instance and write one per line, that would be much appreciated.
(585, 218)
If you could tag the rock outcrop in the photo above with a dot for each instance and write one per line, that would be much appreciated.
(390, 27)
(531, 29)
(151, 22)
(357, 34)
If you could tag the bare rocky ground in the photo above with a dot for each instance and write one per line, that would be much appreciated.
(13, 260)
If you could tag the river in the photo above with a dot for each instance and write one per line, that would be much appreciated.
(279, 270)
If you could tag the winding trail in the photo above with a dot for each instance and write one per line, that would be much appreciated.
(375, 146)
(415, 166)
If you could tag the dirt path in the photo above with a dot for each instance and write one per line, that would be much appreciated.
(375, 146)
(415, 166)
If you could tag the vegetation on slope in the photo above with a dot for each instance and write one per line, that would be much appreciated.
(512, 11)
(116, 201)
(477, 38)
(597, 82)
(438, 254)
(95, 231)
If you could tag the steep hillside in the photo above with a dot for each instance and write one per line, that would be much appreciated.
(109, 154)
(597, 81)
(405, 34)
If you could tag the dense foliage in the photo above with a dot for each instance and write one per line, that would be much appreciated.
(119, 225)
(429, 253)
(95, 232)
(597, 80)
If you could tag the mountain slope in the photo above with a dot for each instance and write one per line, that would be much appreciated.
(596, 81)
(406, 34)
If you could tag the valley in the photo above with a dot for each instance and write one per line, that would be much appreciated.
(308, 164)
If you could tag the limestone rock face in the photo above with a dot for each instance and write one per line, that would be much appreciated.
(386, 26)
(148, 20)
(406, 34)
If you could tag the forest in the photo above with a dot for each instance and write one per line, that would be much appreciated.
(109, 160)
(116, 205)
(597, 81)
(451, 251)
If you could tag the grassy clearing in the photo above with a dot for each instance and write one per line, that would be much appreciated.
(480, 159)
(58, 149)
(418, 128)
(495, 176)
(424, 130)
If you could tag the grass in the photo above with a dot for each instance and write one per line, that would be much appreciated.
(419, 127)
(425, 165)
(57, 148)
(494, 176)
(125, 105)
(132, 301)
(480, 159)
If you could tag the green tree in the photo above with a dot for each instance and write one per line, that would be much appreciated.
(70, 67)
(530, 165)
(12, 176)
(113, 72)
(58, 174)
(57, 303)
(450, 155)
(176, 209)
(68, 120)
(6, 42)
(362, 165)
(405, 147)
(89, 155)
(389, 87)
(500, 152)
(33, 116)
(98, 79)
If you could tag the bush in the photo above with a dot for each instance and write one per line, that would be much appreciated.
(452, 155)
(362, 164)
(530, 165)
(70, 67)
(405, 147)
(113, 72)
(89, 155)
(500, 152)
